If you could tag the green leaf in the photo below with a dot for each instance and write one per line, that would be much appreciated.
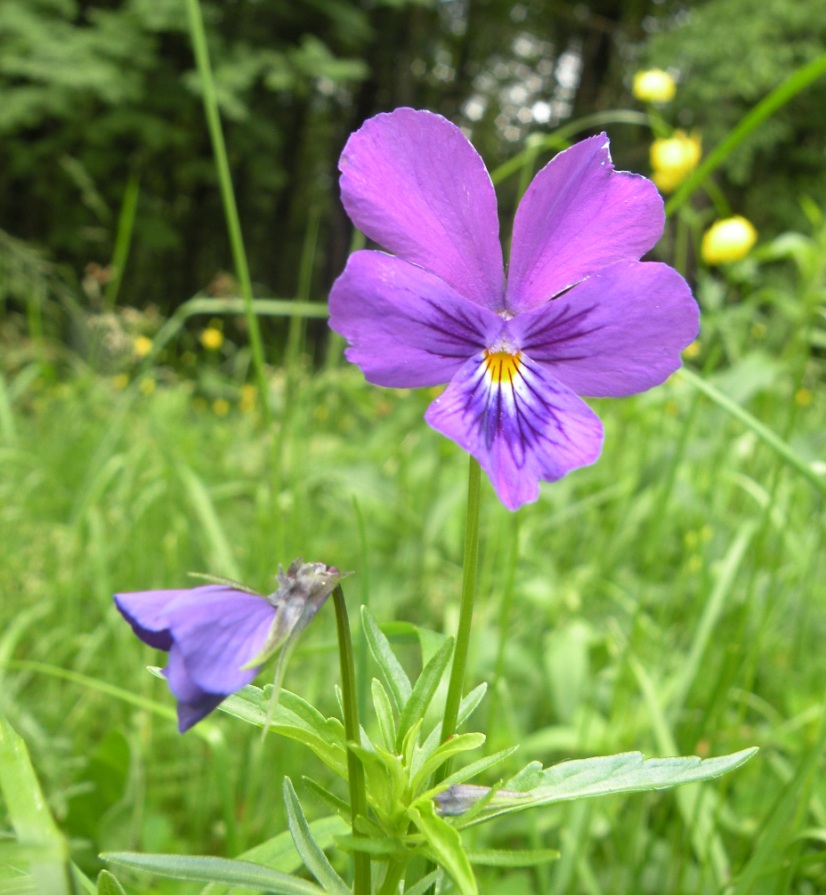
(310, 851)
(108, 884)
(466, 708)
(446, 844)
(279, 853)
(33, 825)
(424, 690)
(204, 868)
(495, 857)
(384, 713)
(424, 885)
(588, 777)
(391, 670)
(462, 742)
(474, 769)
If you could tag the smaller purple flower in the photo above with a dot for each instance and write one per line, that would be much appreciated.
(577, 315)
(218, 637)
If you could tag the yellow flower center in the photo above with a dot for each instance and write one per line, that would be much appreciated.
(503, 366)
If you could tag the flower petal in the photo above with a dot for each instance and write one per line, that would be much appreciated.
(617, 333)
(578, 216)
(193, 702)
(411, 181)
(406, 327)
(146, 612)
(520, 424)
(218, 630)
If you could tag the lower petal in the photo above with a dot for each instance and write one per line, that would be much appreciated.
(519, 422)
(193, 702)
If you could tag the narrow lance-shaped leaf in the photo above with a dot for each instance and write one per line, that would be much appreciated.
(391, 670)
(310, 851)
(206, 869)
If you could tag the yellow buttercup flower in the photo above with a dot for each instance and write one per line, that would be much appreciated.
(220, 407)
(212, 339)
(674, 158)
(142, 346)
(728, 240)
(654, 86)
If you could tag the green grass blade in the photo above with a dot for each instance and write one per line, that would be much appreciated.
(35, 829)
(754, 425)
(236, 239)
(219, 546)
(794, 84)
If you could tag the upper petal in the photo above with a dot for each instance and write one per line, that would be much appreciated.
(577, 216)
(218, 631)
(411, 181)
(146, 612)
(406, 327)
(519, 423)
(617, 333)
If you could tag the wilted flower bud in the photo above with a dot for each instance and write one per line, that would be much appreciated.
(728, 240)
(218, 636)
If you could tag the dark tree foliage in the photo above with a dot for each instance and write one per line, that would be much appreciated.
(95, 92)
(729, 55)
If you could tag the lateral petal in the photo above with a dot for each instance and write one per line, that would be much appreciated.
(519, 422)
(406, 327)
(617, 333)
(412, 182)
(578, 216)
(218, 630)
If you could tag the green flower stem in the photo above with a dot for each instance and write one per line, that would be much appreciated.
(355, 772)
(469, 574)
(239, 255)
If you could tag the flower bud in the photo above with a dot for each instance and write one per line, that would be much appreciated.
(654, 86)
(728, 240)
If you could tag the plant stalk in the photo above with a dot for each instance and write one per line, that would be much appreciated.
(355, 772)
(469, 575)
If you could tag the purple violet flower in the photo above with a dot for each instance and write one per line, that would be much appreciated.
(579, 313)
(218, 637)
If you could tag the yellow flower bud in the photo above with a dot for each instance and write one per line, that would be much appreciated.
(728, 240)
(674, 158)
(654, 86)
(212, 339)
(142, 346)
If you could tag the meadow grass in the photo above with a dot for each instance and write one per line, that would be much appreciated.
(668, 599)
